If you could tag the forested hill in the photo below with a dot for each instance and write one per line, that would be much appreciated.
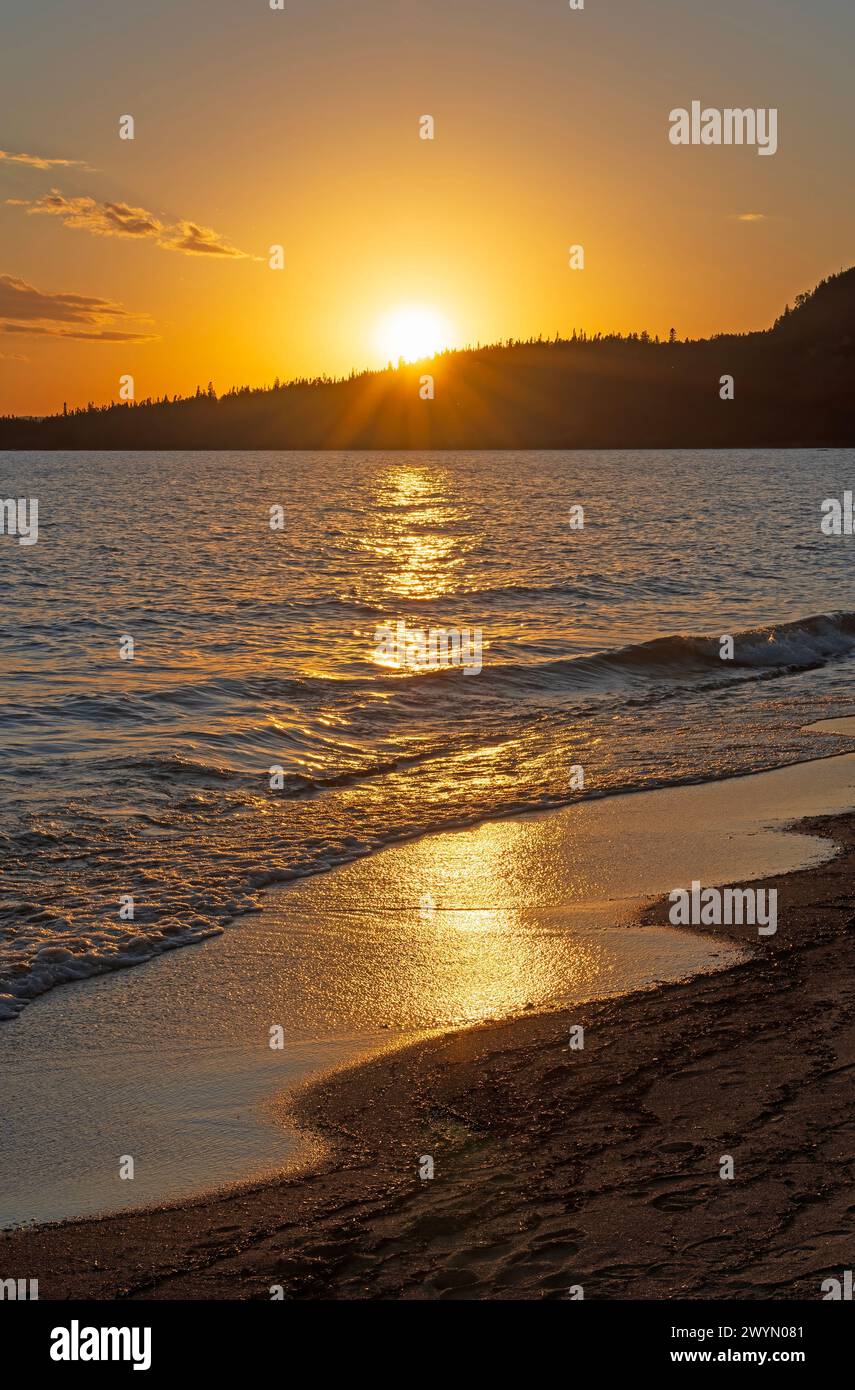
(793, 385)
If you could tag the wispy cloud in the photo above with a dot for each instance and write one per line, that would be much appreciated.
(24, 309)
(38, 161)
(123, 220)
(748, 217)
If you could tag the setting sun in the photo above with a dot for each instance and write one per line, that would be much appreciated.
(411, 331)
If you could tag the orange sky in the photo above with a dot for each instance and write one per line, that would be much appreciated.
(301, 127)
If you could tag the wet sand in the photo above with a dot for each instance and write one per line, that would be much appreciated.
(171, 1065)
(555, 1168)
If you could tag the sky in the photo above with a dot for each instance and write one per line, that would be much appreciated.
(301, 128)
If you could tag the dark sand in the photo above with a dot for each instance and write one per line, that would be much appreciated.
(554, 1167)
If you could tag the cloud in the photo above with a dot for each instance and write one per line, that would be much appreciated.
(748, 217)
(105, 335)
(24, 309)
(199, 241)
(37, 161)
(120, 219)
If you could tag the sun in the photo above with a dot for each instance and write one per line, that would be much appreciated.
(412, 331)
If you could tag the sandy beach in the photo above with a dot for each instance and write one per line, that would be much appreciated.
(427, 678)
(556, 1168)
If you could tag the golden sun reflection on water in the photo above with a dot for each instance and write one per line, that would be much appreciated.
(456, 928)
(417, 533)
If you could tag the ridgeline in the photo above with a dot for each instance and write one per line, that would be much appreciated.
(793, 386)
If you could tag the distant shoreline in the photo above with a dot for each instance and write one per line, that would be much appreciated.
(556, 449)
(786, 387)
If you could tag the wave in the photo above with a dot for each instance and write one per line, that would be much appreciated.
(644, 670)
(795, 646)
(801, 645)
(196, 850)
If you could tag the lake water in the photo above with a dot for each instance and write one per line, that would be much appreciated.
(256, 648)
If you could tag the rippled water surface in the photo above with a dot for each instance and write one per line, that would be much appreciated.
(255, 648)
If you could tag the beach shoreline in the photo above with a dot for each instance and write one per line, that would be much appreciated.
(526, 915)
(556, 1169)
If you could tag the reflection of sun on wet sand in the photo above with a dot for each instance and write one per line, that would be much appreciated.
(555, 1166)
